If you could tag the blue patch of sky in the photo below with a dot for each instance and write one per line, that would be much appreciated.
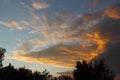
(64, 5)
(13, 11)
(9, 39)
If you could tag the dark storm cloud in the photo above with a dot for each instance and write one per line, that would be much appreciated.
(108, 28)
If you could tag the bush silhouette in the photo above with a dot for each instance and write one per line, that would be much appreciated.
(96, 70)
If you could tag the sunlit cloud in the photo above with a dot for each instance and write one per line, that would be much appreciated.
(72, 38)
(110, 29)
(9, 24)
(40, 5)
(101, 42)
(113, 12)
(53, 55)
(59, 39)
(14, 25)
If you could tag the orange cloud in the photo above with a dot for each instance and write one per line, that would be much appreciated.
(113, 12)
(59, 40)
(52, 55)
(101, 42)
(44, 57)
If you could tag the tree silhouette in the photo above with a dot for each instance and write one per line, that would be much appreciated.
(102, 71)
(41, 75)
(62, 77)
(2, 51)
(83, 71)
(10, 73)
(96, 70)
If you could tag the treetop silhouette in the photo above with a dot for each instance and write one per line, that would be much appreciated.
(95, 70)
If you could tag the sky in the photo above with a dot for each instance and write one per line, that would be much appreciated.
(54, 34)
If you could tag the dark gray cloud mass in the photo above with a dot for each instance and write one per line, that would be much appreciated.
(109, 28)
(112, 56)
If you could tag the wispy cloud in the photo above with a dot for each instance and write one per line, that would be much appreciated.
(40, 5)
(14, 24)
(35, 5)
(113, 12)
(26, 6)
(59, 39)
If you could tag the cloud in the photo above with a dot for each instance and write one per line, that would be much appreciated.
(62, 38)
(26, 6)
(35, 5)
(112, 55)
(73, 38)
(109, 29)
(83, 19)
(54, 54)
(9, 24)
(40, 5)
(14, 24)
(58, 38)
(113, 12)
(96, 2)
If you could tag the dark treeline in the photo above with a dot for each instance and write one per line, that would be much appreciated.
(94, 70)
(10, 73)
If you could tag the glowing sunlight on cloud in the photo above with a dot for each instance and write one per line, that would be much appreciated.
(113, 12)
(40, 5)
(59, 39)
(101, 42)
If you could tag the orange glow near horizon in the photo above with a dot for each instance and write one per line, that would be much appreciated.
(93, 37)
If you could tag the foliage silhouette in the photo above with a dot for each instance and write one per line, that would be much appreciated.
(2, 51)
(41, 76)
(95, 70)
(62, 77)
(10, 73)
